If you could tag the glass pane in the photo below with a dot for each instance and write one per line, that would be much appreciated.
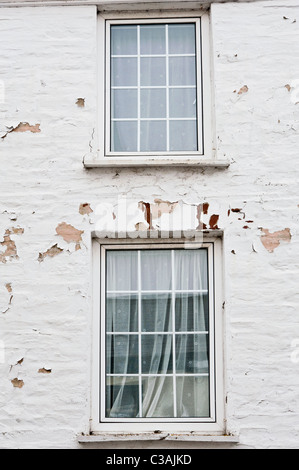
(152, 136)
(156, 354)
(124, 136)
(182, 71)
(191, 269)
(124, 104)
(191, 312)
(122, 313)
(192, 397)
(124, 71)
(182, 102)
(183, 135)
(124, 40)
(157, 397)
(121, 270)
(192, 354)
(181, 38)
(153, 103)
(152, 39)
(122, 354)
(122, 397)
(156, 312)
(156, 269)
(152, 71)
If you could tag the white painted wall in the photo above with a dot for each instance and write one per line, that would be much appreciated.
(47, 62)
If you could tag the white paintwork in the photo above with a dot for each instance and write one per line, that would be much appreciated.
(48, 60)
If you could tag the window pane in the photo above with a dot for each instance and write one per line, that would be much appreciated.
(122, 397)
(182, 103)
(152, 39)
(123, 71)
(193, 397)
(183, 135)
(152, 71)
(156, 354)
(124, 104)
(181, 38)
(191, 312)
(153, 136)
(156, 312)
(124, 136)
(122, 313)
(153, 103)
(121, 270)
(124, 40)
(191, 269)
(122, 354)
(192, 354)
(139, 323)
(157, 397)
(182, 71)
(156, 270)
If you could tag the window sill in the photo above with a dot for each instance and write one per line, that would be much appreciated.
(156, 436)
(116, 162)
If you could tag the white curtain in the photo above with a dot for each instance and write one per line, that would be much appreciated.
(184, 329)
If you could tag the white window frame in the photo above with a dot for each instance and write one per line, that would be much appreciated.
(205, 156)
(213, 425)
(199, 110)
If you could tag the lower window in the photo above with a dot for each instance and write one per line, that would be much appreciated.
(157, 349)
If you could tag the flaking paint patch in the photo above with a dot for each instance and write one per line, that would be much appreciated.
(51, 252)
(9, 245)
(23, 127)
(156, 210)
(214, 221)
(8, 287)
(44, 371)
(272, 240)
(17, 383)
(70, 234)
(85, 209)
(80, 102)
(243, 90)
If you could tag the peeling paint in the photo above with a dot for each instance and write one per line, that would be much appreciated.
(51, 252)
(272, 240)
(70, 234)
(85, 209)
(44, 371)
(243, 90)
(80, 102)
(23, 127)
(156, 210)
(213, 222)
(9, 245)
(8, 287)
(17, 383)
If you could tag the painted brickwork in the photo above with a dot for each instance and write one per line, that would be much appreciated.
(49, 204)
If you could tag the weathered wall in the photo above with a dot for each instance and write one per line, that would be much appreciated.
(48, 207)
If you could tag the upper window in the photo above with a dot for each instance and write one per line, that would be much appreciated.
(154, 90)
(154, 87)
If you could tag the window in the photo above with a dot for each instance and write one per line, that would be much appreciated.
(154, 88)
(160, 359)
(154, 84)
